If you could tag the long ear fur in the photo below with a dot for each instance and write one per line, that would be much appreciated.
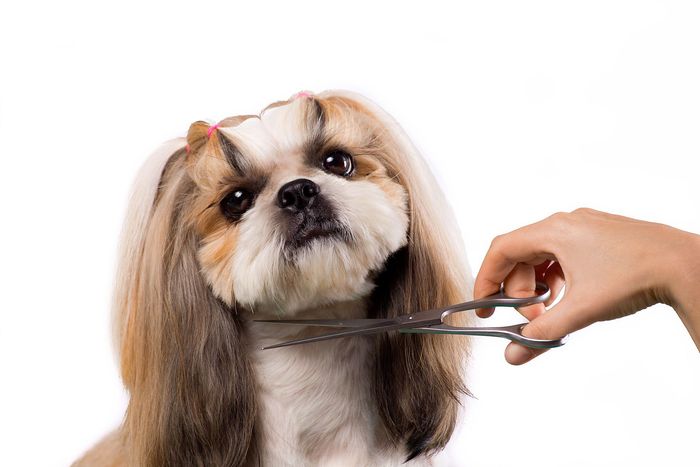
(182, 351)
(418, 377)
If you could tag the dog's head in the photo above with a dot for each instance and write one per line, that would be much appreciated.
(298, 206)
(319, 199)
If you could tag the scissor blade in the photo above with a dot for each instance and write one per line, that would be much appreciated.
(332, 323)
(391, 325)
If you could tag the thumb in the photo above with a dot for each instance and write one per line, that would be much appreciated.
(552, 324)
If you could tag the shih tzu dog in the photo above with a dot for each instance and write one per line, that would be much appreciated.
(319, 207)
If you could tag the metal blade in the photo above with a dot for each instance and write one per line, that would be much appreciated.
(391, 325)
(331, 323)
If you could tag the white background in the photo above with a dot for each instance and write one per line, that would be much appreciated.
(522, 108)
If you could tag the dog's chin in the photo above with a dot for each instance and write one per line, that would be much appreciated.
(322, 267)
(325, 268)
(309, 233)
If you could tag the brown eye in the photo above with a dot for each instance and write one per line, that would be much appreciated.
(338, 162)
(236, 203)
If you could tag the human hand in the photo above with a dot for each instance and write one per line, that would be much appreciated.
(612, 266)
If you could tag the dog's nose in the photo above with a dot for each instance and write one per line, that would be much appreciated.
(297, 194)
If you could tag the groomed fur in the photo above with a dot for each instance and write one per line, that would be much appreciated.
(182, 330)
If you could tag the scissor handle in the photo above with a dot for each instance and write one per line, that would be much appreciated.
(513, 333)
(501, 299)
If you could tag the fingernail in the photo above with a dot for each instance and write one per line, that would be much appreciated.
(517, 354)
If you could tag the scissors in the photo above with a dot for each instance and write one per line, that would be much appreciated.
(431, 322)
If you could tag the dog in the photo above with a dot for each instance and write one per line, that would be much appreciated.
(318, 207)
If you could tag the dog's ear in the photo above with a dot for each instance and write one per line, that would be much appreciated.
(182, 353)
(418, 377)
(206, 153)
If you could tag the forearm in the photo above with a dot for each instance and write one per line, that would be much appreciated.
(685, 286)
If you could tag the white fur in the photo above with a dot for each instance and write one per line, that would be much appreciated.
(319, 392)
(273, 138)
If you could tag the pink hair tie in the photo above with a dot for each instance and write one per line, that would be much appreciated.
(187, 148)
(303, 94)
(211, 130)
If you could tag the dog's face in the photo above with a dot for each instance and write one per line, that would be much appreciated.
(296, 207)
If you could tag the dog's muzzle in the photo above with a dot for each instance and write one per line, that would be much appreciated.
(309, 214)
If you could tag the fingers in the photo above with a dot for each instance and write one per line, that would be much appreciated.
(484, 312)
(521, 283)
(526, 245)
(559, 321)
(553, 276)
(517, 354)
(539, 328)
(551, 273)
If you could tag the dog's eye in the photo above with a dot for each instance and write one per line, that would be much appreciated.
(338, 162)
(236, 203)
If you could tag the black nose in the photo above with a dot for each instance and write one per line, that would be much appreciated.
(297, 194)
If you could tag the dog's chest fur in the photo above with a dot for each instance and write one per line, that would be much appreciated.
(316, 405)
